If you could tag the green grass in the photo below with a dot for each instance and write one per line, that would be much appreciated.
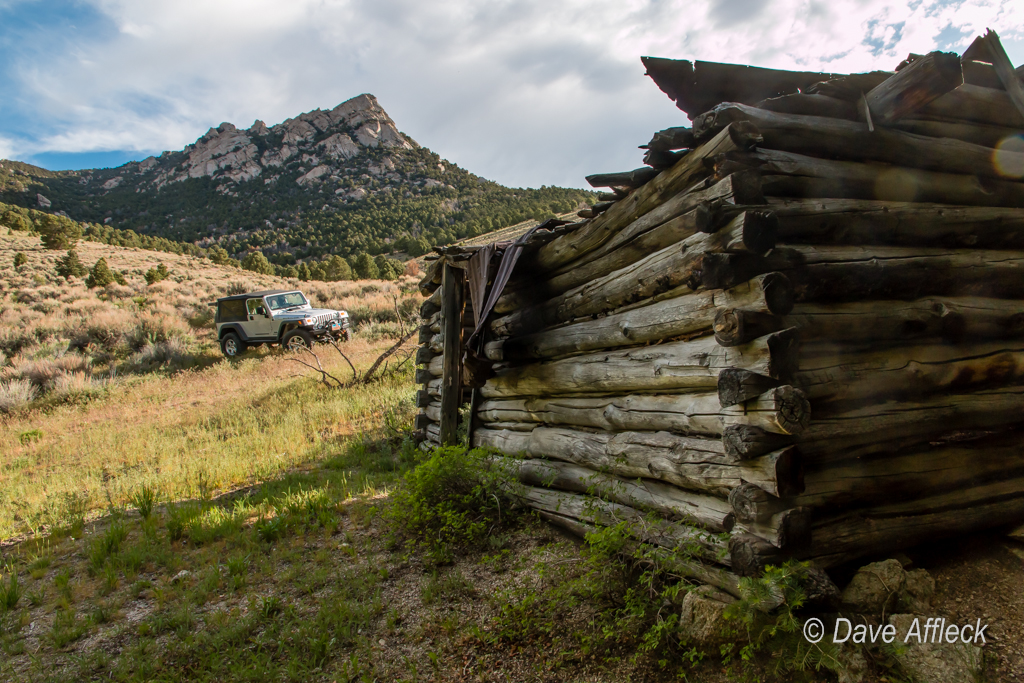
(249, 439)
(305, 537)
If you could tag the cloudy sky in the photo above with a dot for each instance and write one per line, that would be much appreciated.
(525, 92)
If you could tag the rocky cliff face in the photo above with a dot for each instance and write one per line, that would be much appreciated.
(323, 138)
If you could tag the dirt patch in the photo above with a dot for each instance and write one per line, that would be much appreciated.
(982, 577)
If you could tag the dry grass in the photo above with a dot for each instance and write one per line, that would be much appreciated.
(105, 391)
(52, 327)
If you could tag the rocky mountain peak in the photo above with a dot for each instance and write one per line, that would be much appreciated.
(323, 137)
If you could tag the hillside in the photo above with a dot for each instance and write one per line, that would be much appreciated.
(62, 342)
(341, 181)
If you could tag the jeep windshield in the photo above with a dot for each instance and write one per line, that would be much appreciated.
(278, 302)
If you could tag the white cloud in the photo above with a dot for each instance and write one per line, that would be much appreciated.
(527, 92)
(8, 149)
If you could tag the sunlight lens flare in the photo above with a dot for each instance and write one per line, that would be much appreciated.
(1008, 157)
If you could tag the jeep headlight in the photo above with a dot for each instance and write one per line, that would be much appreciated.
(309, 321)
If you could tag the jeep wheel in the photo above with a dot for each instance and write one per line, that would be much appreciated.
(346, 335)
(231, 345)
(297, 339)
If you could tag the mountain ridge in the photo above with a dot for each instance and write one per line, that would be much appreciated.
(339, 181)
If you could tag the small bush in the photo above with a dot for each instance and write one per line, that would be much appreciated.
(172, 352)
(100, 275)
(143, 499)
(106, 545)
(154, 275)
(778, 629)
(10, 591)
(201, 317)
(178, 518)
(16, 394)
(74, 386)
(20, 259)
(453, 499)
(71, 266)
(30, 436)
(238, 288)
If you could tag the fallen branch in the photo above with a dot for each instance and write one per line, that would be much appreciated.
(370, 375)
(384, 356)
(355, 375)
(324, 375)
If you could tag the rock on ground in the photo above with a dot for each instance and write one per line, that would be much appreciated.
(935, 662)
(875, 588)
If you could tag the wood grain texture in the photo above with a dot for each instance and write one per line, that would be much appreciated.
(691, 464)
(689, 170)
(683, 314)
(671, 367)
(783, 410)
(672, 502)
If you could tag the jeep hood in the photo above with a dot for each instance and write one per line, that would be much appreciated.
(300, 313)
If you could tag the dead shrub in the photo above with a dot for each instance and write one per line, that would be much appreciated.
(171, 352)
(15, 394)
(74, 385)
(158, 326)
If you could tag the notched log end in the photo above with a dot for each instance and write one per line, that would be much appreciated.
(759, 231)
(789, 472)
(735, 326)
(745, 441)
(745, 134)
(752, 504)
(750, 554)
(793, 408)
(778, 293)
(736, 386)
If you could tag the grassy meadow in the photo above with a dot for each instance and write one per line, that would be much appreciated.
(104, 391)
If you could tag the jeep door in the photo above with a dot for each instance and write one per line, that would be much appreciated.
(260, 325)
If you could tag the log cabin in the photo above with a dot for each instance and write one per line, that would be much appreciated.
(796, 332)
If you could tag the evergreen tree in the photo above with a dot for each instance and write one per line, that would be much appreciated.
(338, 269)
(157, 274)
(365, 268)
(317, 271)
(418, 247)
(58, 232)
(220, 256)
(15, 221)
(303, 272)
(20, 259)
(389, 268)
(71, 265)
(100, 275)
(257, 263)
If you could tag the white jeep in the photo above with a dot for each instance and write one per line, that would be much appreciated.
(273, 317)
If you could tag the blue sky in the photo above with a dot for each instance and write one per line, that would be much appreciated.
(525, 92)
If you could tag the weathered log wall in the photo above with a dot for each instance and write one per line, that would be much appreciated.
(803, 327)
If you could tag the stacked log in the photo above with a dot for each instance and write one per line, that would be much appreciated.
(800, 333)
(428, 423)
